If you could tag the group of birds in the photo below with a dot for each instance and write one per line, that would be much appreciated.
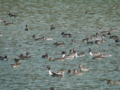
(98, 38)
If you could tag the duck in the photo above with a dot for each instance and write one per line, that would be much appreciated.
(52, 88)
(97, 42)
(93, 53)
(86, 39)
(113, 82)
(11, 15)
(89, 13)
(7, 23)
(82, 54)
(26, 28)
(53, 74)
(83, 69)
(89, 42)
(70, 72)
(36, 39)
(52, 27)
(103, 40)
(56, 59)
(21, 56)
(60, 71)
(59, 44)
(77, 73)
(117, 40)
(45, 56)
(72, 41)
(111, 29)
(3, 58)
(69, 56)
(66, 34)
(15, 65)
(105, 32)
(98, 57)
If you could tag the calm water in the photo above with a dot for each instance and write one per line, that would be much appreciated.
(67, 16)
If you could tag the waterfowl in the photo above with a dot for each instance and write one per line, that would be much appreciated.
(117, 40)
(72, 41)
(56, 59)
(94, 53)
(26, 28)
(45, 56)
(77, 73)
(98, 57)
(7, 23)
(52, 88)
(113, 37)
(17, 61)
(105, 32)
(53, 74)
(103, 40)
(86, 39)
(114, 7)
(70, 72)
(52, 27)
(89, 42)
(113, 82)
(36, 39)
(97, 42)
(24, 57)
(81, 54)
(59, 44)
(111, 29)
(11, 15)
(69, 56)
(66, 34)
(3, 58)
(89, 13)
(83, 69)
(15, 65)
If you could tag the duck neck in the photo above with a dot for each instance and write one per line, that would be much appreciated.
(50, 73)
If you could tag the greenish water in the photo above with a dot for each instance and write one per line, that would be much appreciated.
(67, 16)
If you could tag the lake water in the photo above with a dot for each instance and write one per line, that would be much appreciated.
(67, 16)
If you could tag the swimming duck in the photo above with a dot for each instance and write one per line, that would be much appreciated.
(98, 57)
(105, 32)
(45, 56)
(15, 65)
(117, 40)
(97, 42)
(83, 69)
(60, 71)
(24, 57)
(111, 29)
(66, 34)
(70, 72)
(72, 41)
(3, 58)
(69, 56)
(93, 53)
(36, 39)
(56, 59)
(86, 39)
(113, 82)
(103, 40)
(54, 74)
(89, 42)
(26, 28)
(17, 61)
(77, 73)
(7, 23)
(11, 15)
(52, 27)
(59, 44)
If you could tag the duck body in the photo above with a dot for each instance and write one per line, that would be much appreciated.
(3, 58)
(83, 69)
(7, 23)
(15, 65)
(56, 59)
(11, 15)
(66, 34)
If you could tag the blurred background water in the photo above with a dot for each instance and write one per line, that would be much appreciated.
(67, 16)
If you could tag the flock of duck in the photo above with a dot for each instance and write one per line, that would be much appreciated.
(98, 38)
